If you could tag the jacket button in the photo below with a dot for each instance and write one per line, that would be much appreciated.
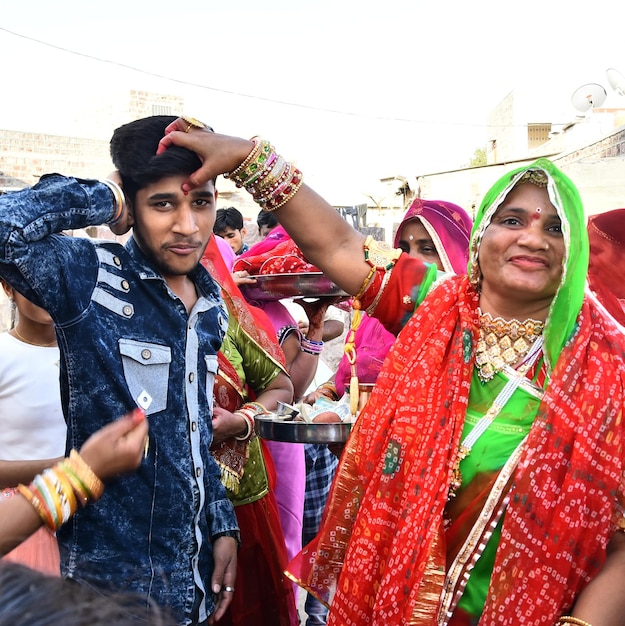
(125, 285)
(117, 261)
(127, 311)
(191, 377)
(193, 426)
(198, 472)
(146, 354)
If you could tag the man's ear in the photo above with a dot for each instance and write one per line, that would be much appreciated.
(131, 214)
(125, 221)
(243, 231)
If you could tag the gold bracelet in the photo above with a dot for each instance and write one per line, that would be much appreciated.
(92, 484)
(42, 510)
(569, 619)
(239, 174)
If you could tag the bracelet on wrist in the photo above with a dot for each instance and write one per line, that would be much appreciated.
(120, 200)
(248, 416)
(256, 407)
(311, 347)
(265, 174)
(56, 492)
(569, 619)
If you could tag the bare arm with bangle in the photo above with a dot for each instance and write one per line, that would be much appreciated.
(340, 257)
(53, 496)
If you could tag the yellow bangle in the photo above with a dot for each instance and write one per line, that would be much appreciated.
(42, 510)
(569, 619)
(93, 485)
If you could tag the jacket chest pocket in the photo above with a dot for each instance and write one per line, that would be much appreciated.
(146, 370)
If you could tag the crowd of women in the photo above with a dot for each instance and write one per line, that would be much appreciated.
(484, 480)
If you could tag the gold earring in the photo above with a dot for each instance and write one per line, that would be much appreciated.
(474, 273)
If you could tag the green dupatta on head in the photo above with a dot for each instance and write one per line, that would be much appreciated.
(564, 196)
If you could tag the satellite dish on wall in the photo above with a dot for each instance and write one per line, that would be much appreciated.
(616, 80)
(588, 97)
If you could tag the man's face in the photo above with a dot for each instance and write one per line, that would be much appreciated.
(172, 229)
(234, 238)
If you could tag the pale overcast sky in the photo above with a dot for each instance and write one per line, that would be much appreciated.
(353, 90)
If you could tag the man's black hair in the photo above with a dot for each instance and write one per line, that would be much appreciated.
(133, 151)
(228, 218)
(266, 219)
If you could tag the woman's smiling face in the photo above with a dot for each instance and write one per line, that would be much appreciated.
(522, 250)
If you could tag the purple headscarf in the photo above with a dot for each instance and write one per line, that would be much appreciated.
(448, 225)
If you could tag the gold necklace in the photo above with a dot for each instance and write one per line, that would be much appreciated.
(32, 343)
(503, 342)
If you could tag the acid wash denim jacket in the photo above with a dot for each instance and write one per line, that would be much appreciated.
(126, 340)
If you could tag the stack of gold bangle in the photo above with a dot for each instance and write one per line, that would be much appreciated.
(270, 179)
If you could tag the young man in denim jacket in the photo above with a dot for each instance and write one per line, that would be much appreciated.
(138, 325)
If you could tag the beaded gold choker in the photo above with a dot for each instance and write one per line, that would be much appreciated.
(503, 342)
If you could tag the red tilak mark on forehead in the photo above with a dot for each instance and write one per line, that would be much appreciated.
(537, 213)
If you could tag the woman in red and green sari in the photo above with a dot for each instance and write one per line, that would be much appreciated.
(251, 379)
(484, 481)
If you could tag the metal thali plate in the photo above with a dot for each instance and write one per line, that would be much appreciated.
(303, 285)
(275, 429)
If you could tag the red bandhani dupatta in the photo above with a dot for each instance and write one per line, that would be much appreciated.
(388, 498)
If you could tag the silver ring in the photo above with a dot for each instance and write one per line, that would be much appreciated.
(229, 589)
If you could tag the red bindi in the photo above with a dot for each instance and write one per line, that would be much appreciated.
(537, 213)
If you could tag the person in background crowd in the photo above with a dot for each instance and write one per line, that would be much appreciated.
(266, 223)
(606, 233)
(229, 225)
(302, 357)
(251, 378)
(32, 427)
(516, 382)
(168, 531)
(434, 231)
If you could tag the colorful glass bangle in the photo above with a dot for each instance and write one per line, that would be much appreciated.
(94, 486)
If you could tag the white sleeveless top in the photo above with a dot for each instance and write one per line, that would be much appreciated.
(31, 420)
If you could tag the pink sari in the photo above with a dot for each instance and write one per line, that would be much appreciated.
(288, 458)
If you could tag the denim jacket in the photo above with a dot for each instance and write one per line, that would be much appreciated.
(126, 340)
